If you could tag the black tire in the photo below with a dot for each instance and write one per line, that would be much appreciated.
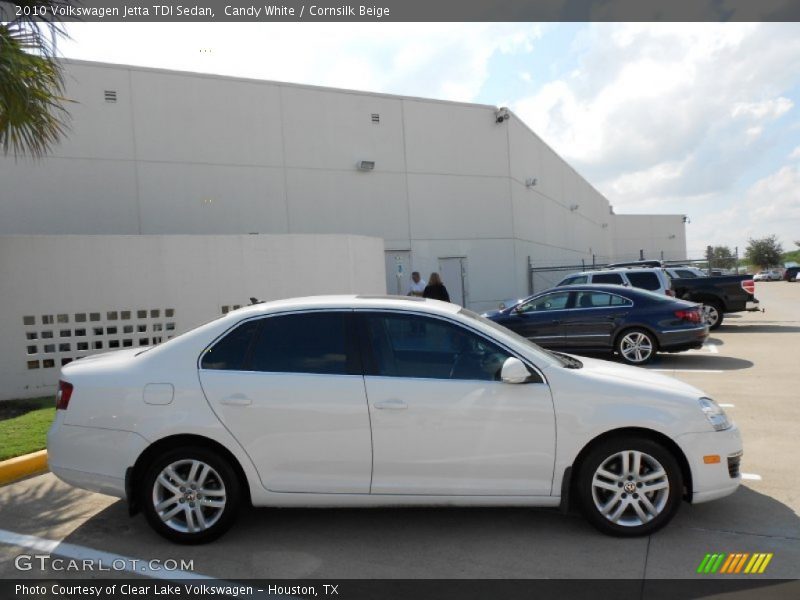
(636, 346)
(629, 523)
(218, 509)
(712, 311)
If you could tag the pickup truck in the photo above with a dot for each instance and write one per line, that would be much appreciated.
(718, 295)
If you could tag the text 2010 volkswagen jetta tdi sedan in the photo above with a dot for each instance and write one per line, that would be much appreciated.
(374, 401)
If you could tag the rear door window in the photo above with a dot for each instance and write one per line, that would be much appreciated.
(313, 342)
(612, 278)
(598, 300)
(645, 281)
(230, 353)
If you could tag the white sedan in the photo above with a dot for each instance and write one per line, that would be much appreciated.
(375, 401)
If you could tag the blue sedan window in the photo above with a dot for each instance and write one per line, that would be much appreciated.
(599, 300)
(556, 301)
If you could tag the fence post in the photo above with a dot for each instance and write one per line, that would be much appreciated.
(530, 276)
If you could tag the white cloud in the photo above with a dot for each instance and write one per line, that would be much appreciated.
(672, 118)
(795, 154)
(766, 109)
(647, 97)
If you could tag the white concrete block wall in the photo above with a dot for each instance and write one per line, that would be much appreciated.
(92, 284)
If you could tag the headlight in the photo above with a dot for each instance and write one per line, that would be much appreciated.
(714, 413)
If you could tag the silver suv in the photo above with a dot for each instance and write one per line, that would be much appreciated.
(653, 279)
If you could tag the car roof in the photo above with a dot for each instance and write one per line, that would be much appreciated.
(595, 287)
(347, 301)
(618, 270)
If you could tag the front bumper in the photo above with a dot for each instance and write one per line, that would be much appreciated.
(716, 480)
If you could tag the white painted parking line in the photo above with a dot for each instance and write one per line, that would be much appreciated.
(105, 560)
(728, 405)
(688, 370)
(751, 477)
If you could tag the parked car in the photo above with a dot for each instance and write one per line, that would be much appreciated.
(380, 401)
(653, 279)
(771, 275)
(634, 323)
(791, 273)
(718, 295)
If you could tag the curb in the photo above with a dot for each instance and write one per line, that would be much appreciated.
(19, 467)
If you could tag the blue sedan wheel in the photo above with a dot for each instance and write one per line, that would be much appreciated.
(636, 346)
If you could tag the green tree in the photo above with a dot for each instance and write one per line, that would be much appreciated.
(722, 257)
(33, 116)
(764, 252)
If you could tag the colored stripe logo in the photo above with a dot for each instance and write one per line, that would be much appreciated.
(733, 563)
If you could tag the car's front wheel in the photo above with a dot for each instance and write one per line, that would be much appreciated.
(636, 346)
(629, 487)
(190, 495)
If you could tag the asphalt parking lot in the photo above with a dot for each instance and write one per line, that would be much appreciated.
(749, 365)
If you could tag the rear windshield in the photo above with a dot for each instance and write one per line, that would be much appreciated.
(613, 278)
(645, 281)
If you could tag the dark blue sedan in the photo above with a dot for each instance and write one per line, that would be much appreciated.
(633, 322)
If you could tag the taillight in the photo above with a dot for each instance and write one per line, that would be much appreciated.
(692, 315)
(749, 286)
(63, 395)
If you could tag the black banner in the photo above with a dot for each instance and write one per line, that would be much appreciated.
(401, 10)
(399, 589)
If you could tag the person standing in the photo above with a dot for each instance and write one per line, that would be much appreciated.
(435, 289)
(417, 285)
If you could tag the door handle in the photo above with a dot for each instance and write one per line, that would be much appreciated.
(236, 400)
(390, 405)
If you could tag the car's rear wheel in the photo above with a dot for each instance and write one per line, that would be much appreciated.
(629, 487)
(190, 495)
(636, 346)
(712, 314)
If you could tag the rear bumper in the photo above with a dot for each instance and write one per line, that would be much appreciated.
(715, 480)
(752, 305)
(677, 340)
(92, 458)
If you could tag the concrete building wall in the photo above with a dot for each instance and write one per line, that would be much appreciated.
(182, 153)
(660, 237)
(67, 296)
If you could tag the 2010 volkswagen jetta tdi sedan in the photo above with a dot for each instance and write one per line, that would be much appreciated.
(375, 401)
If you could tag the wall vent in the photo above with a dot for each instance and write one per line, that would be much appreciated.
(110, 95)
(376, 118)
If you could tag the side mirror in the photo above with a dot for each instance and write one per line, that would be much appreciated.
(514, 371)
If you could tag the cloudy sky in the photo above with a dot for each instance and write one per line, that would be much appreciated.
(699, 119)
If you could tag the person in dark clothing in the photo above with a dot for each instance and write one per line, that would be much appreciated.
(435, 289)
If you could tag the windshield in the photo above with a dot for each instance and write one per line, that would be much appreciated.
(547, 356)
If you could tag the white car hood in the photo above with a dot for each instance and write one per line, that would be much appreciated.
(643, 377)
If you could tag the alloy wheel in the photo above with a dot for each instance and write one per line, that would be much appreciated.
(189, 496)
(630, 488)
(710, 314)
(636, 347)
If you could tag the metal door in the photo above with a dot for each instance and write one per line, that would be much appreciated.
(453, 271)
